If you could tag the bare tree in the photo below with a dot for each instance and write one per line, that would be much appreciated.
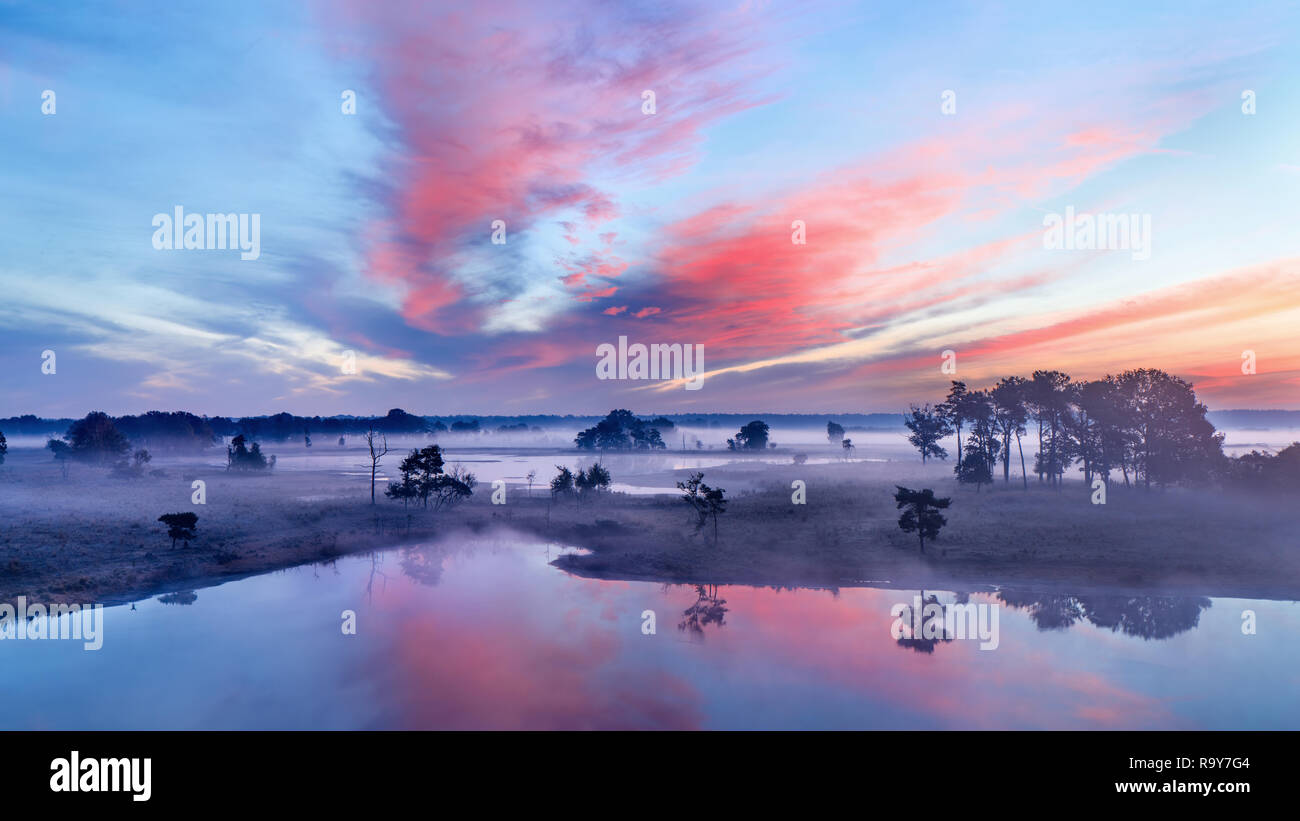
(375, 455)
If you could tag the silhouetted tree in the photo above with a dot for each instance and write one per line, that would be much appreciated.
(377, 452)
(1049, 397)
(834, 433)
(180, 526)
(96, 439)
(920, 513)
(422, 476)
(454, 487)
(1173, 440)
(953, 411)
(563, 482)
(4, 447)
(927, 428)
(704, 500)
(982, 446)
(592, 480)
(1009, 417)
(751, 437)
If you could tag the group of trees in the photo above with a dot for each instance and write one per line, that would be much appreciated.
(1277, 471)
(750, 437)
(240, 456)
(581, 483)
(424, 479)
(96, 440)
(1145, 424)
(620, 430)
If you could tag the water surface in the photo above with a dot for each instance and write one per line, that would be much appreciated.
(487, 634)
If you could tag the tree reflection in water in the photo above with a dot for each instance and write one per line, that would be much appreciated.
(423, 564)
(920, 644)
(707, 609)
(1147, 617)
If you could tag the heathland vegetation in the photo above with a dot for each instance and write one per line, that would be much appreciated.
(1180, 511)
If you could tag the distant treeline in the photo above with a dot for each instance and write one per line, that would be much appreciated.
(30, 425)
(183, 431)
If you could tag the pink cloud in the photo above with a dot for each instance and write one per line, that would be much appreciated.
(505, 114)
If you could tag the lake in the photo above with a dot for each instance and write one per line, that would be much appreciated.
(486, 634)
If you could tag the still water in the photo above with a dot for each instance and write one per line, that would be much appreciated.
(486, 634)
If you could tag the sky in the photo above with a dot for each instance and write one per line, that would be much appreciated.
(925, 149)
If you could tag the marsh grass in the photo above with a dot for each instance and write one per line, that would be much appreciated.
(93, 536)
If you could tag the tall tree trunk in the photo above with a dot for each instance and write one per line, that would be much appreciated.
(1023, 476)
(1039, 468)
(1146, 469)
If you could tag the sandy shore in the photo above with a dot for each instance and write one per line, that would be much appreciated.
(92, 538)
